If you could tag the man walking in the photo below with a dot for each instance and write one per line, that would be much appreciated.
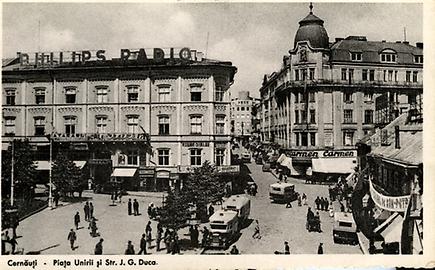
(317, 202)
(320, 249)
(256, 234)
(286, 248)
(99, 247)
(5, 239)
(72, 238)
(77, 220)
(129, 207)
(148, 231)
(143, 245)
(234, 250)
(135, 207)
(130, 249)
(86, 210)
(91, 210)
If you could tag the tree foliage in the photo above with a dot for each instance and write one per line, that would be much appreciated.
(175, 212)
(66, 176)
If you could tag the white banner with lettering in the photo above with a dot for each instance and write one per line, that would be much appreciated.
(397, 204)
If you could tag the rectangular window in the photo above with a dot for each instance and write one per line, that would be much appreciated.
(102, 94)
(348, 138)
(303, 116)
(220, 155)
(372, 75)
(348, 116)
(133, 157)
(395, 76)
(10, 96)
(311, 73)
(163, 157)
(296, 116)
(365, 75)
(296, 75)
(415, 76)
(347, 96)
(195, 124)
(297, 138)
(418, 59)
(388, 57)
(408, 76)
(296, 97)
(368, 117)
(219, 93)
(312, 116)
(39, 126)
(356, 56)
(350, 75)
(312, 138)
(303, 97)
(164, 93)
(385, 75)
(70, 124)
(132, 93)
(304, 74)
(242, 108)
(368, 96)
(311, 96)
(304, 138)
(195, 93)
(390, 75)
(163, 125)
(133, 124)
(343, 74)
(220, 124)
(9, 126)
(39, 95)
(412, 99)
(70, 95)
(195, 157)
(101, 124)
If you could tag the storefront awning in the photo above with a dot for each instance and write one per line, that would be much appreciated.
(42, 165)
(80, 163)
(386, 222)
(393, 232)
(124, 172)
(281, 158)
(334, 165)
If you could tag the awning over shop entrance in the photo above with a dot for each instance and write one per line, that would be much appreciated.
(124, 172)
(334, 165)
(80, 163)
(42, 165)
(393, 232)
(281, 158)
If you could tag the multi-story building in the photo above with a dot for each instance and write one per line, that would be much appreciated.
(323, 97)
(241, 115)
(178, 98)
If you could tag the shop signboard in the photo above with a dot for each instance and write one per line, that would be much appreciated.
(310, 154)
(99, 161)
(390, 203)
(228, 169)
(195, 144)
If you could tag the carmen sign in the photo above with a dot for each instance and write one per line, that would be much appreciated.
(98, 137)
(323, 154)
(397, 204)
(142, 55)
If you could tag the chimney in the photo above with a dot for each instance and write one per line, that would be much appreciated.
(397, 137)
(419, 45)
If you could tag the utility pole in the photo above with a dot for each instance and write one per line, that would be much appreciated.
(12, 173)
(50, 189)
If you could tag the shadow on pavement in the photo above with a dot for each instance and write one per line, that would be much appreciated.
(37, 252)
(247, 223)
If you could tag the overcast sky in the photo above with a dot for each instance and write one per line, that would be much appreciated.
(254, 36)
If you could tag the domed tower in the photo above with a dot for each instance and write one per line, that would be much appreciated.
(311, 29)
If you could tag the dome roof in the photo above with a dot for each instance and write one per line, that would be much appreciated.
(311, 29)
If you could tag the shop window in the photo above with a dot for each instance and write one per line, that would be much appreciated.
(70, 123)
(348, 116)
(348, 138)
(133, 124)
(101, 124)
(220, 155)
(163, 157)
(9, 126)
(368, 117)
(164, 93)
(70, 95)
(196, 124)
(163, 125)
(195, 157)
(132, 93)
(220, 124)
(10, 96)
(195, 92)
(102, 94)
(40, 95)
(39, 126)
(133, 157)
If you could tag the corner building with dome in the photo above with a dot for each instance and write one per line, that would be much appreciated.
(330, 94)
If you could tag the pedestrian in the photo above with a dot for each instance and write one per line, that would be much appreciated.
(234, 250)
(77, 220)
(304, 198)
(331, 209)
(322, 204)
(205, 234)
(5, 239)
(130, 249)
(289, 203)
(342, 207)
(167, 241)
(320, 249)
(143, 245)
(286, 248)
(210, 210)
(256, 234)
(93, 227)
(148, 231)
(195, 236)
(120, 196)
(86, 210)
(299, 200)
(317, 202)
(129, 207)
(176, 245)
(91, 210)
(136, 207)
(13, 243)
(158, 238)
(326, 204)
(72, 238)
(192, 235)
(99, 247)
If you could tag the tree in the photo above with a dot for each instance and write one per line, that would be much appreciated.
(66, 176)
(24, 170)
(175, 211)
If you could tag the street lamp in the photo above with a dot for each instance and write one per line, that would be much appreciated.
(50, 188)
(12, 173)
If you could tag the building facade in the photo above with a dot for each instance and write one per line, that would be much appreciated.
(181, 102)
(324, 96)
(241, 115)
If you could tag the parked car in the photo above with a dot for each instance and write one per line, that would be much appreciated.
(282, 192)
(344, 228)
(266, 167)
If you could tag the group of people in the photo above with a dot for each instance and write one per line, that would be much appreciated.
(313, 221)
(11, 240)
(322, 203)
(133, 208)
(152, 211)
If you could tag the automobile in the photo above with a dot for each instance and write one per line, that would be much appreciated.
(239, 204)
(258, 160)
(246, 157)
(344, 228)
(266, 167)
(282, 192)
(224, 228)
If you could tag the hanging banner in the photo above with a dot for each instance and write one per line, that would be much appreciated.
(395, 204)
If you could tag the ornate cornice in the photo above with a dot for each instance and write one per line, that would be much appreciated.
(11, 110)
(221, 108)
(191, 108)
(39, 110)
(69, 109)
(164, 108)
(99, 109)
(133, 108)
